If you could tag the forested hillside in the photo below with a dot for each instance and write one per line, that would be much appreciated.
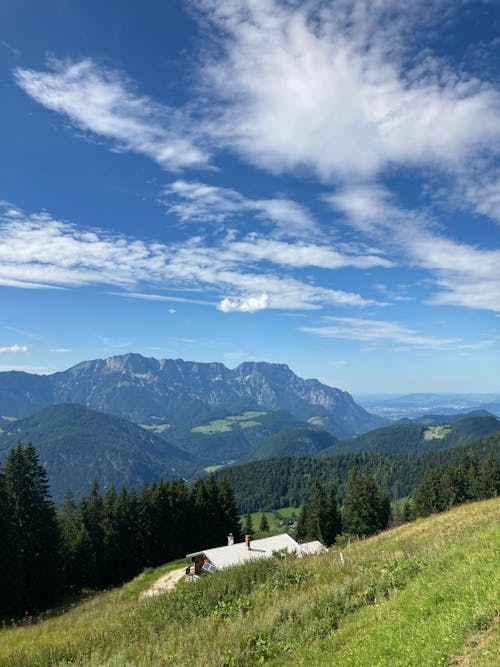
(78, 445)
(285, 481)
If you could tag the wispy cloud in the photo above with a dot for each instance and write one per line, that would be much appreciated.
(37, 251)
(13, 349)
(22, 332)
(466, 275)
(386, 332)
(342, 88)
(104, 102)
(198, 202)
(60, 350)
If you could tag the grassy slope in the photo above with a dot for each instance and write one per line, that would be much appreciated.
(420, 595)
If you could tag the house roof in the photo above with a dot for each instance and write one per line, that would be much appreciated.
(308, 548)
(235, 554)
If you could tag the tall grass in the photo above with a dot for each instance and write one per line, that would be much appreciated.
(416, 595)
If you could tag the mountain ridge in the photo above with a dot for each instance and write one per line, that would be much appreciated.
(142, 389)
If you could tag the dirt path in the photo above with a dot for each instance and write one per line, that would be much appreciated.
(165, 583)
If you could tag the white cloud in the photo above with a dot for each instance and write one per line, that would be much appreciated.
(40, 251)
(14, 349)
(381, 331)
(467, 275)
(339, 89)
(60, 350)
(299, 255)
(250, 304)
(171, 311)
(197, 202)
(102, 101)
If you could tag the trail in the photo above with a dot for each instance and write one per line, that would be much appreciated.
(165, 583)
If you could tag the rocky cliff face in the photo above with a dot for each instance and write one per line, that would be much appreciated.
(176, 391)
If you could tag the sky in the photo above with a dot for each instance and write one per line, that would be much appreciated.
(310, 183)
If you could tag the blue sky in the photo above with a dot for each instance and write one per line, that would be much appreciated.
(310, 183)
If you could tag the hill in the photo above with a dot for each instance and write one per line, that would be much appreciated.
(283, 482)
(401, 598)
(421, 437)
(228, 437)
(294, 442)
(78, 445)
(173, 391)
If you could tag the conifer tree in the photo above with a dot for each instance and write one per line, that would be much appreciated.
(11, 572)
(429, 496)
(366, 509)
(248, 528)
(77, 552)
(490, 479)
(228, 510)
(263, 524)
(91, 509)
(35, 522)
(333, 520)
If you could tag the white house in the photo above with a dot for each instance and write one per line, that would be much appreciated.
(220, 558)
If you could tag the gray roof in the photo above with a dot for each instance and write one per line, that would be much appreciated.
(234, 554)
(309, 548)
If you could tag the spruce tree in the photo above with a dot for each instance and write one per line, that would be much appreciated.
(77, 552)
(263, 524)
(248, 528)
(91, 510)
(366, 509)
(35, 522)
(11, 567)
(490, 479)
(333, 520)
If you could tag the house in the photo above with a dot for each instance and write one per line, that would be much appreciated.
(220, 558)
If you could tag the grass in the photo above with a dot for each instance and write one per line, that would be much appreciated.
(245, 420)
(156, 428)
(437, 432)
(424, 594)
(278, 520)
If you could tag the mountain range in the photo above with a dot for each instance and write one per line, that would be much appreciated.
(173, 391)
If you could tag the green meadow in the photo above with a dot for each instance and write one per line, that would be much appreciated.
(424, 594)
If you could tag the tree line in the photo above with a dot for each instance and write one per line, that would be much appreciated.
(443, 488)
(102, 540)
(286, 481)
(365, 510)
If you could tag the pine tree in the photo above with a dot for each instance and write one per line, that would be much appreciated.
(34, 518)
(91, 510)
(333, 520)
(78, 556)
(11, 570)
(229, 512)
(366, 509)
(248, 528)
(490, 479)
(429, 495)
(263, 524)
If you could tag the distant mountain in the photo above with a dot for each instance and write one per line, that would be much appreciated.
(78, 445)
(419, 438)
(149, 391)
(293, 442)
(413, 406)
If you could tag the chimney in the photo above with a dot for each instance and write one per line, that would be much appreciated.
(247, 542)
(230, 540)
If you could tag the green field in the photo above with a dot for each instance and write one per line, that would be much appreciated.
(425, 594)
(156, 428)
(278, 519)
(437, 432)
(245, 420)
